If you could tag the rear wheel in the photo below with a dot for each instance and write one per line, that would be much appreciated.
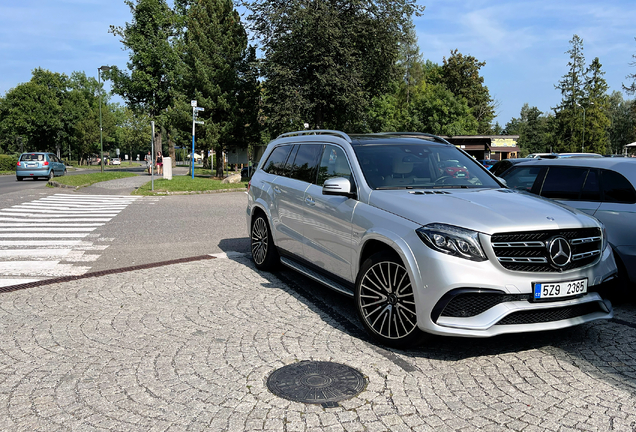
(385, 302)
(264, 251)
(51, 175)
(19, 178)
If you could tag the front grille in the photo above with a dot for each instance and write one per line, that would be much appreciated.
(528, 251)
(472, 304)
(549, 315)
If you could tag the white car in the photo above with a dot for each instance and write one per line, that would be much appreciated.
(379, 218)
(116, 161)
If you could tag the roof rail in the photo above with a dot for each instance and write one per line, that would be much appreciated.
(342, 135)
(417, 135)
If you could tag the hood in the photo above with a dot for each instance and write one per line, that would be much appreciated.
(483, 210)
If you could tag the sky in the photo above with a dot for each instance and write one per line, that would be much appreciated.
(523, 43)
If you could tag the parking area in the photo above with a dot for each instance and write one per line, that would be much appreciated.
(190, 347)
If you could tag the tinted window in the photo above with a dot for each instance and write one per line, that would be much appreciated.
(305, 163)
(591, 189)
(522, 177)
(391, 166)
(500, 167)
(334, 163)
(564, 183)
(32, 157)
(276, 163)
(617, 188)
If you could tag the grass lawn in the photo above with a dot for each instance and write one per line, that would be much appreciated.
(10, 172)
(187, 184)
(89, 179)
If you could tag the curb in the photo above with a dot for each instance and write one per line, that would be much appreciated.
(60, 185)
(197, 192)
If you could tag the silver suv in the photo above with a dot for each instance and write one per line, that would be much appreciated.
(423, 237)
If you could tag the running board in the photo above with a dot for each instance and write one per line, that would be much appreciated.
(317, 277)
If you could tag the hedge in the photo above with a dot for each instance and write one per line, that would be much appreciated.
(8, 163)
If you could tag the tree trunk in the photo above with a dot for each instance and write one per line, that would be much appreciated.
(171, 151)
(218, 152)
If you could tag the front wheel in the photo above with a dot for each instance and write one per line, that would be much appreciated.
(264, 251)
(385, 302)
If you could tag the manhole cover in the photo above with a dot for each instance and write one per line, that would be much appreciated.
(316, 382)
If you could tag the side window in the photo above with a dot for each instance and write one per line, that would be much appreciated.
(305, 165)
(333, 164)
(501, 167)
(617, 188)
(564, 182)
(592, 188)
(276, 163)
(522, 178)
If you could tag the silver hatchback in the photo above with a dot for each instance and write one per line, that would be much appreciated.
(423, 237)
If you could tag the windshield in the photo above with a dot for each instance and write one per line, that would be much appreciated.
(397, 166)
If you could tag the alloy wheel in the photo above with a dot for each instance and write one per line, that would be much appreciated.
(260, 237)
(386, 300)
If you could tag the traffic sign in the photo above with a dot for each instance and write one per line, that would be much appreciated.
(198, 121)
(199, 108)
(193, 103)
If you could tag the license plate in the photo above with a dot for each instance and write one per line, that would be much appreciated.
(552, 290)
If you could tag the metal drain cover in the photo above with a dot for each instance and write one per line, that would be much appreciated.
(316, 382)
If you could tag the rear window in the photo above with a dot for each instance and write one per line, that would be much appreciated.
(32, 157)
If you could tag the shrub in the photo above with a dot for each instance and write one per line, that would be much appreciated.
(7, 163)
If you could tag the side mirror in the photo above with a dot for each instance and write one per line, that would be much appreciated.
(339, 186)
(502, 181)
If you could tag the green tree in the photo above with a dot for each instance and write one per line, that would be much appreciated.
(153, 61)
(532, 128)
(461, 76)
(220, 75)
(631, 88)
(597, 122)
(568, 113)
(325, 60)
(622, 125)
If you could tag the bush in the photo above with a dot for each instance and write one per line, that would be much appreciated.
(7, 163)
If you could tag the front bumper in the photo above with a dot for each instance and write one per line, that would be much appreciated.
(435, 275)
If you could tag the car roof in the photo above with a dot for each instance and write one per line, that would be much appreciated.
(626, 166)
(384, 138)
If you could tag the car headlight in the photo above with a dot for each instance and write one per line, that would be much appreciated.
(452, 240)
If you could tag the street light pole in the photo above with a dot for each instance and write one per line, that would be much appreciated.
(583, 143)
(101, 135)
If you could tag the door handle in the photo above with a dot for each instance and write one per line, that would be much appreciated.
(310, 201)
(277, 189)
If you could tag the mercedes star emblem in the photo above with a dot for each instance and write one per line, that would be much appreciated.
(560, 251)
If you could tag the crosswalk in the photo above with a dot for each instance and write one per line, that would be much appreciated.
(50, 237)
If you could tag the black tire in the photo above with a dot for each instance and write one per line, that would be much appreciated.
(19, 178)
(621, 289)
(385, 302)
(264, 252)
(51, 175)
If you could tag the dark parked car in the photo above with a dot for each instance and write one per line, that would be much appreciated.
(39, 164)
(602, 187)
(503, 165)
(488, 163)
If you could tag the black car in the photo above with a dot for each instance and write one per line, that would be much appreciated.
(504, 165)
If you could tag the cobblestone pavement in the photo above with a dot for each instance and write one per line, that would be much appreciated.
(189, 347)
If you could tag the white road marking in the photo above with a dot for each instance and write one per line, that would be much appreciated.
(44, 238)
